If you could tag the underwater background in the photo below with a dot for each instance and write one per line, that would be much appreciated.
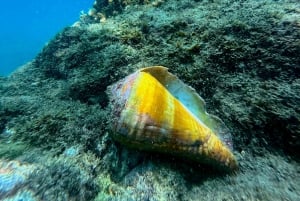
(28, 25)
(242, 57)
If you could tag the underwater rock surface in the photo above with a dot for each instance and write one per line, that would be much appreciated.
(12, 175)
(242, 57)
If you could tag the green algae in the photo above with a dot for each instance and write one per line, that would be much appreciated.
(12, 150)
(63, 177)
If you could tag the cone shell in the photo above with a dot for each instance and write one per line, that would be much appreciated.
(153, 110)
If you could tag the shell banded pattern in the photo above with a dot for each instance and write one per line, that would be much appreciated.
(148, 114)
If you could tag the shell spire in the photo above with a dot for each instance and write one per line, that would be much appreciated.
(154, 111)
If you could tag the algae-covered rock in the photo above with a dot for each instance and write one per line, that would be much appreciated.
(110, 7)
(242, 57)
(13, 177)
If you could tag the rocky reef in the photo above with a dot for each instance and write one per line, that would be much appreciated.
(242, 57)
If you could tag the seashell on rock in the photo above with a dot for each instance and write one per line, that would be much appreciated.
(153, 110)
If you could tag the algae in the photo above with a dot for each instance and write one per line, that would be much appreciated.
(12, 150)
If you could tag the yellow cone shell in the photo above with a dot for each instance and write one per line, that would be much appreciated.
(148, 116)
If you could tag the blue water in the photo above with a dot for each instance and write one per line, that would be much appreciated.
(26, 26)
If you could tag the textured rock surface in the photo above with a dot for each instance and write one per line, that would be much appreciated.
(13, 176)
(241, 57)
(113, 7)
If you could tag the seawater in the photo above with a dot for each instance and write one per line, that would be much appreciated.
(26, 26)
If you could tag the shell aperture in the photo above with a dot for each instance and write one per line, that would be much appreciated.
(153, 110)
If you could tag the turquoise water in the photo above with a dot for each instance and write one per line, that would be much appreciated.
(26, 26)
